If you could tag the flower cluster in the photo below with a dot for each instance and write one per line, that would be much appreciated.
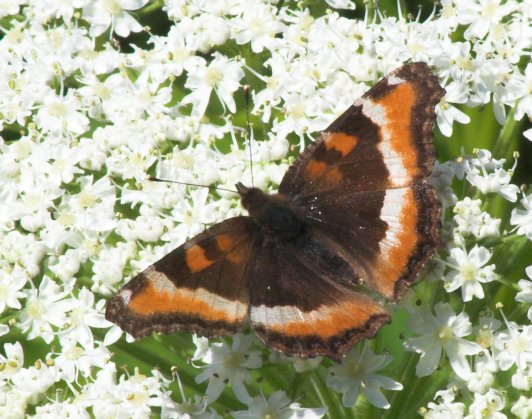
(93, 101)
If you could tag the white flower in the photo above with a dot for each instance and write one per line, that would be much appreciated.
(50, 9)
(221, 75)
(522, 218)
(522, 379)
(10, 289)
(102, 98)
(487, 405)
(525, 285)
(45, 307)
(258, 26)
(75, 359)
(519, 89)
(14, 403)
(22, 251)
(177, 55)
(482, 15)
(498, 181)
(148, 227)
(468, 271)
(62, 409)
(446, 113)
(444, 332)
(64, 166)
(93, 207)
(188, 408)
(10, 7)
(205, 30)
(66, 266)
(442, 178)
(297, 117)
(300, 364)
(12, 361)
(229, 365)
(109, 266)
(104, 13)
(522, 409)
(482, 377)
(513, 346)
(278, 405)
(470, 219)
(131, 396)
(84, 315)
(34, 381)
(445, 406)
(193, 215)
(202, 347)
(61, 115)
(341, 4)
(358, 373)
(485, 331)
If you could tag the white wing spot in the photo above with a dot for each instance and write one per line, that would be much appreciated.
(375, 112)
(391, 214)
(393, 80)
(126, 296)
(160, 281)
(392, 159)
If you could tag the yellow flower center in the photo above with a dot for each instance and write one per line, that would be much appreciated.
(113, 7)
(444, 333)
(213, 76)
(468, 271)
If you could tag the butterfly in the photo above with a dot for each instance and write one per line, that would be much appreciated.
(354, 220)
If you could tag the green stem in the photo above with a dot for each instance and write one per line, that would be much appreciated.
(506, 142)
(327, 397)
(397, 400)
(150, 7)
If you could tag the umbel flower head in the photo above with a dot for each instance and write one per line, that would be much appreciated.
(96, 96)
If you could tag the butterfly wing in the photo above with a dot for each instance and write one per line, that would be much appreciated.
(363, 182)
(201, 286)
(297, 305)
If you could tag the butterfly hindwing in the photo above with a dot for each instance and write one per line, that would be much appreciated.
(297, 305)
(199, 287)
(364, 180)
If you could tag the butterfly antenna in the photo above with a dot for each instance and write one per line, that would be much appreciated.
(246, 98)
(156, 179)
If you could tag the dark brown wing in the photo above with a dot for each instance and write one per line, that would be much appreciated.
(364, 180)
(297, 305)
(201, 286)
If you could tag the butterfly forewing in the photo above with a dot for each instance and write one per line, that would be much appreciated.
(364, 180)
(201, 286)
(383, 140)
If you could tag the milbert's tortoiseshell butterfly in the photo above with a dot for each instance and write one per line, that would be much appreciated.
(354, 215)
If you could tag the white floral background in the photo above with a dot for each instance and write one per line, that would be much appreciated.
(95, 96)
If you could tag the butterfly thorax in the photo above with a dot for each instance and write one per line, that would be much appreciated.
(274, 214)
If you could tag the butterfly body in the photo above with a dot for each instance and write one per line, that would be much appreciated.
(354, 218)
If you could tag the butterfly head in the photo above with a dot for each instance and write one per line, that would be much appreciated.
(252, 198)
